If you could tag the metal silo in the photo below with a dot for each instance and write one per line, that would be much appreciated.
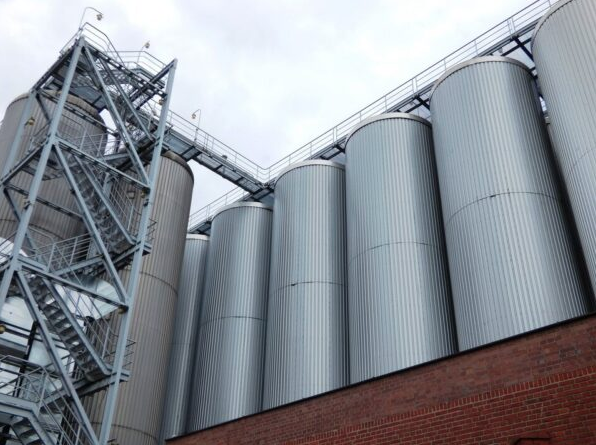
(139, 410)
(81, 124)
(399, 298)
(307, 338)
(565, 54)
(228, 378)
(509, 244)
(182, 351)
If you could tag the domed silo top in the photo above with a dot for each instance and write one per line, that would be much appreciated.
(241, 204)
(553, 9)
(385, 116)
(475, 61)
(310, 162)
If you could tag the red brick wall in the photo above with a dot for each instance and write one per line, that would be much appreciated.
(537, 389)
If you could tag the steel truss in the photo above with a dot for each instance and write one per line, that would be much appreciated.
(112, 179)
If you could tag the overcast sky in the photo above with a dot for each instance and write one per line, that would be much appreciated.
(268, 75)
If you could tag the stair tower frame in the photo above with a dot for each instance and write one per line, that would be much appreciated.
(54, 280)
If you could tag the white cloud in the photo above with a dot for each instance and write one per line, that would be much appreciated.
(269, 75)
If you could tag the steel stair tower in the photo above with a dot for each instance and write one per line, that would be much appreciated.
(111, 178)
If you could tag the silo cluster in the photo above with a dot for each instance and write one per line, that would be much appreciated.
(436, 236)
(433, 238)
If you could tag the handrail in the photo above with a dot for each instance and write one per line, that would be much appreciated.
(38, 385)
(130, 59)
(196, 136)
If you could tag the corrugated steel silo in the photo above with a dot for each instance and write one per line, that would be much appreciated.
(564, 47)
(307, 338)
(399, 298)
(50, 223)
(182, 351)
(511, 258)
(228, 378)
(139, 410)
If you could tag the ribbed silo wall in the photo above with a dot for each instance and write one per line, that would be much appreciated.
(139, 410)
(509, 243)
(182, 350)
(73, 127)
(399, 297)
(307, 337)
(228, 379)
(564, 47)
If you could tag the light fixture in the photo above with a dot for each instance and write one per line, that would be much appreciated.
(146, 45)
(98, 15)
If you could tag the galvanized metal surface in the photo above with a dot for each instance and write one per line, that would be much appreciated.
(399, 298)
(139, 410)
(511, 258)
(228, 378)
(307, 337)
(49, 222)
(565, 53)
(186, 321)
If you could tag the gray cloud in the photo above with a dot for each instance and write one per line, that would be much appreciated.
(268, 75)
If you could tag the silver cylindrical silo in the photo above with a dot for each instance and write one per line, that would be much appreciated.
(510, 249)
(399, 297)
(182, 351)
(307, 336)
(564, 47)
(139, 410)
(50, 224)
(228, 378)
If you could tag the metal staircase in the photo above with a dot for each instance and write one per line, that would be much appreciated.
(67, 317)
(111, 174)
(37, 411)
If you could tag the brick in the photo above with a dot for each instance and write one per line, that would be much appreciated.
(537, 389)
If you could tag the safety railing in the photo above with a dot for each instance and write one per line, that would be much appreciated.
(193, 135)
(26, 381)
(125, 199)
(65, 253)
(139, 60)
(141, 64)
(93, 321)
(6, 248)
(128, 59)
(487, 43)
(234, 195)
